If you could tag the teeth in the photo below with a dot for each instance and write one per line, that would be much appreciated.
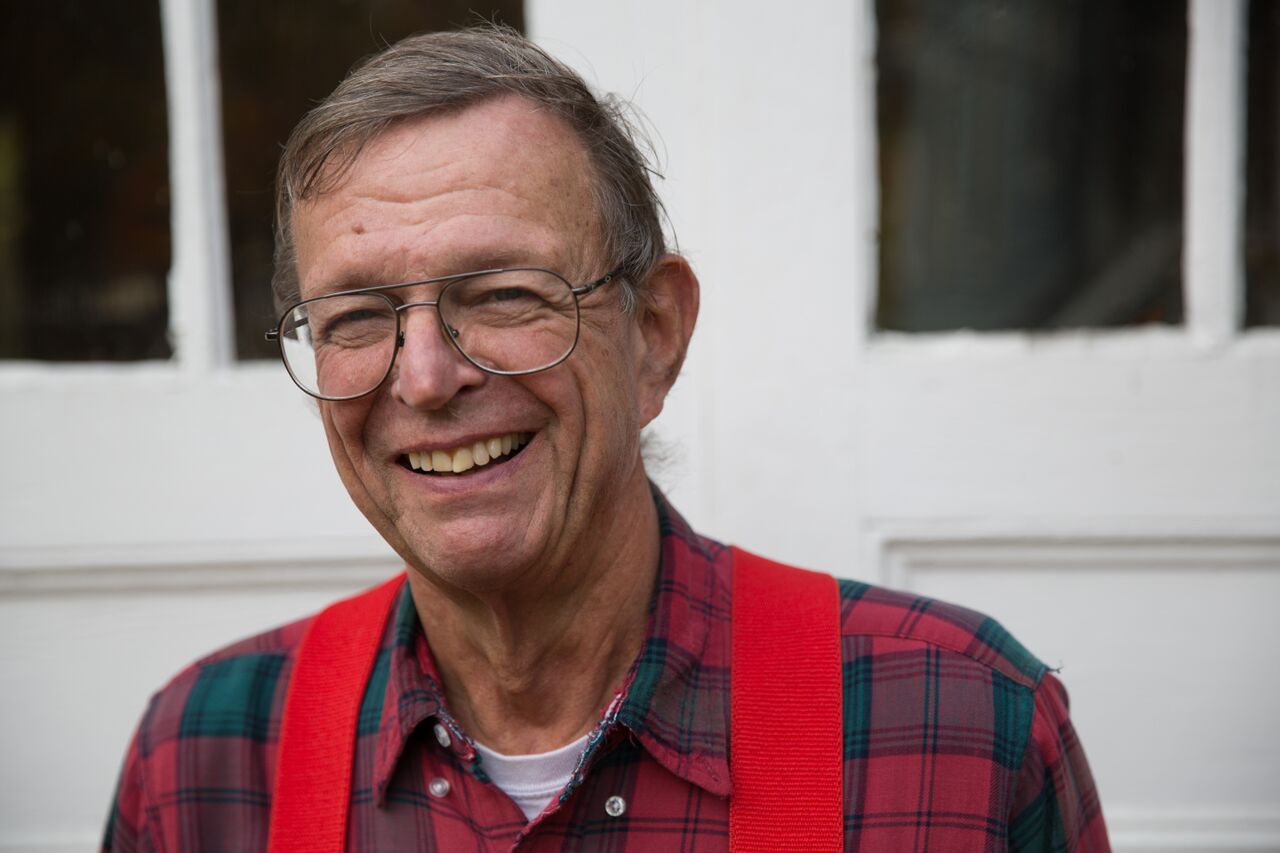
(461, 459)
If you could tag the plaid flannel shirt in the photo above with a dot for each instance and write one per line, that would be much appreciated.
(955, 738)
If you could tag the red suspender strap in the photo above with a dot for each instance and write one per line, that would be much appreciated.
(318, 733)
(786, 747)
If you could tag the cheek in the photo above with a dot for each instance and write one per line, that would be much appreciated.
(594, 407)
(344, 428)
(606, 384)
(614, 410)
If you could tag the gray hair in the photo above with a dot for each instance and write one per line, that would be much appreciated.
(444, 72)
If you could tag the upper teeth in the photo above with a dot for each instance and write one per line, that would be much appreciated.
(464, 458)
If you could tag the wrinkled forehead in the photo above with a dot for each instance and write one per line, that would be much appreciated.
(503, 180)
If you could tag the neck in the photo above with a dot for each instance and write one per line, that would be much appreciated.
(530, 669)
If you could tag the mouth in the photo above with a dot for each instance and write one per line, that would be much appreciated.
(458, 460)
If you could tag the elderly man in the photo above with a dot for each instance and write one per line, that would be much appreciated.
(476, 289)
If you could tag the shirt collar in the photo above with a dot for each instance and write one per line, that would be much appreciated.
(675, 699)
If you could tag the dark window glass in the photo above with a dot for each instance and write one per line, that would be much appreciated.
(1030, 163)
(1262, 175)
(279, 59)
(84, 182)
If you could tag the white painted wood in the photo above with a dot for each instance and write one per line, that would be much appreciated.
(863, 244)
(1213, 261)
(1011, 429)
(52, 843)
(77, 671)
(1195, 830)
(144, 570)
(149, 513)
(199, 280)
(765, 197)
(111, 461)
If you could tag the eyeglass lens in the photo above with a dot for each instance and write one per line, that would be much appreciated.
(514, 321)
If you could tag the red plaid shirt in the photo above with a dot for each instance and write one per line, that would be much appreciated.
(955, 738)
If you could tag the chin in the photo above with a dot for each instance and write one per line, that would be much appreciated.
(480, 577)
(476, 564)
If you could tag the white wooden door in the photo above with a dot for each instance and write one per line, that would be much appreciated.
(150, 513)
(1112, 497)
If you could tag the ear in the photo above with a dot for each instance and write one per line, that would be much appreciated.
(667, 315)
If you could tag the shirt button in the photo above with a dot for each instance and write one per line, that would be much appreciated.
(439, 787)
(615, 806)
(442, 735)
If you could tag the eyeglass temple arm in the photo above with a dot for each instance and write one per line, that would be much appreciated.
(597, 284)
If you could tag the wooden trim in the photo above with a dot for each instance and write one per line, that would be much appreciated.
(1213, 184)
(340, 565)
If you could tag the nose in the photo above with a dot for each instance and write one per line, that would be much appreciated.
(429, 371)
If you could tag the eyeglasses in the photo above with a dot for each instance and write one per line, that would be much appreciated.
(509, 322)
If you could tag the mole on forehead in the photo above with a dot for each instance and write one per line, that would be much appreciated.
(426, 212)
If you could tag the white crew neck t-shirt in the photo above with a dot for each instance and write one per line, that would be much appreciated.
(532, 780)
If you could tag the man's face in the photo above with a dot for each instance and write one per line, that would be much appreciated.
(498, 184)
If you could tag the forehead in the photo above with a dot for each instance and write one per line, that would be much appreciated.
(499, 183)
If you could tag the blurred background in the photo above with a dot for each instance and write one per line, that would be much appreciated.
(991, 309)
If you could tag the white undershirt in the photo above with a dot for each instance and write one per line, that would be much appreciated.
(532, 780)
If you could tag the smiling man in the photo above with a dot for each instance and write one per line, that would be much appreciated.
(475, 287)
(538, 557)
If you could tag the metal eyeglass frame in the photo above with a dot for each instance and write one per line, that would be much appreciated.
(450, 334)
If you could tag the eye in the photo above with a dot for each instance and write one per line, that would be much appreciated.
(511, 294)
(344, 324)
(507, 297)
(359, 315)
(352, 322)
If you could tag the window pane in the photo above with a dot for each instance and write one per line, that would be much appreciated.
(1262, 181)
(1030, 163)
(278, 59)
(84, 182)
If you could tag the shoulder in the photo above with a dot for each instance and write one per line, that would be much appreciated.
(239, 691)
(918, 671)
(236, 691)
(868, 611)
(206, 741)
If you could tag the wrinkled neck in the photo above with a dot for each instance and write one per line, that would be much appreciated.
(531, 668)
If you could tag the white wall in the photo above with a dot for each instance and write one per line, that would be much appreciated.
(1112, 497)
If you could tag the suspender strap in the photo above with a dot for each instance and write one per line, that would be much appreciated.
(318, 733)
(786, 743)
(786, 746)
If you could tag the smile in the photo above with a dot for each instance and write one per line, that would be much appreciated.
(477, 454)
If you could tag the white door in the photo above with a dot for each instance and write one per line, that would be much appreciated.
(1113, 497)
